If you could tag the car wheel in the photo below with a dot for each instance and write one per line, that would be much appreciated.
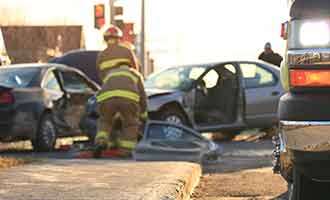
(46, 135)
(174, 116)
(300, 188)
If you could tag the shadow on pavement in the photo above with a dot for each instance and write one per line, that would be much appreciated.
(234, 164)
(238, 156)
(283, 196)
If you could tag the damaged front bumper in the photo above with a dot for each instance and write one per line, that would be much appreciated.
(307, 144)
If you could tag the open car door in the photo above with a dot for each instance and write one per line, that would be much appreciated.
(164, 141)
(218, 99)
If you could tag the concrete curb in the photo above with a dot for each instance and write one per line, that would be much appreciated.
(186, 185)
(179, 184)
(191, 183)
(100, 179)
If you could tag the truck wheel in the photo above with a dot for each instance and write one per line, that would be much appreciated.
(300, 188)
(46, 135)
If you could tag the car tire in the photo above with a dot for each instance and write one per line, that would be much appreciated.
(173, 115)
(46, 134)
(300, 188)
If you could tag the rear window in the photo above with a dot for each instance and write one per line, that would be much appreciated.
(17, 77)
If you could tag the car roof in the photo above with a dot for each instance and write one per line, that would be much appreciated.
(34, 65)
(27, 65)
(84, 60)
(80, 51)
(213, 64)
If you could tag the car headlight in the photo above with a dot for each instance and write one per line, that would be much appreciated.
(315, 33)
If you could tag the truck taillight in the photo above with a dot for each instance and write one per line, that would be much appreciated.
(6, 98)
(309, 78)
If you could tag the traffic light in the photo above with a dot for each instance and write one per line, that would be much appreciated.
(119, 10)
(99, 16)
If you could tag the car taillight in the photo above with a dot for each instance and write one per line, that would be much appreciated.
(309, 78)
(6, 98)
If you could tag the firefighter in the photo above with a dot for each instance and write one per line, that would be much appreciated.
(122, 94)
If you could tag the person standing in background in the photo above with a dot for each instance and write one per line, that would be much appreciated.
(269, 56)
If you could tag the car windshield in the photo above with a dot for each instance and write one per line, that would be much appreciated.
(17, 77)
(179, 78)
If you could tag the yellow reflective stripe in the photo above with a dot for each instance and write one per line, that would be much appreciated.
(101, 135)
(144, 115)
(126, 144)
(122, 73)
(111, 41)
(124, 67)
(118, 93)
(122, 144)
(113, 63)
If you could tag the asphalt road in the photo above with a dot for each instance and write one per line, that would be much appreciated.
(244, 173)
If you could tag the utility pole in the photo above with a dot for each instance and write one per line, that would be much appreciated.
(112, 11)
(143, 51)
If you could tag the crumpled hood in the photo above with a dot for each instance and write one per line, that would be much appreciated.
(151, 92)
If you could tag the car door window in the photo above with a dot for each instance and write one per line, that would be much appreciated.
(230, 68)
(211, 79)
(256, 76)
(169, 132)
(196, 72)
(51, 82)
(75, 83)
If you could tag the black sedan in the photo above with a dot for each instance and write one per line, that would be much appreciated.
(41, 102)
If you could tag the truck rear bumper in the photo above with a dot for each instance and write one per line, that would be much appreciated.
(311, 136)
(309, 145)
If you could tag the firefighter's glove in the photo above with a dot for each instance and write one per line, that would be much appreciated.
(101, 138)
(144, 116)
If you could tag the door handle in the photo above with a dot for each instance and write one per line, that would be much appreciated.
(275, 93)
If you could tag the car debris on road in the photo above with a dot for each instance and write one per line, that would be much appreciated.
(162, 141)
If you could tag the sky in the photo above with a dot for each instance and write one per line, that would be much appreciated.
(184, 31)
(197, 31)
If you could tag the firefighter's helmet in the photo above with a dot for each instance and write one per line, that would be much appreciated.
(112, 32)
